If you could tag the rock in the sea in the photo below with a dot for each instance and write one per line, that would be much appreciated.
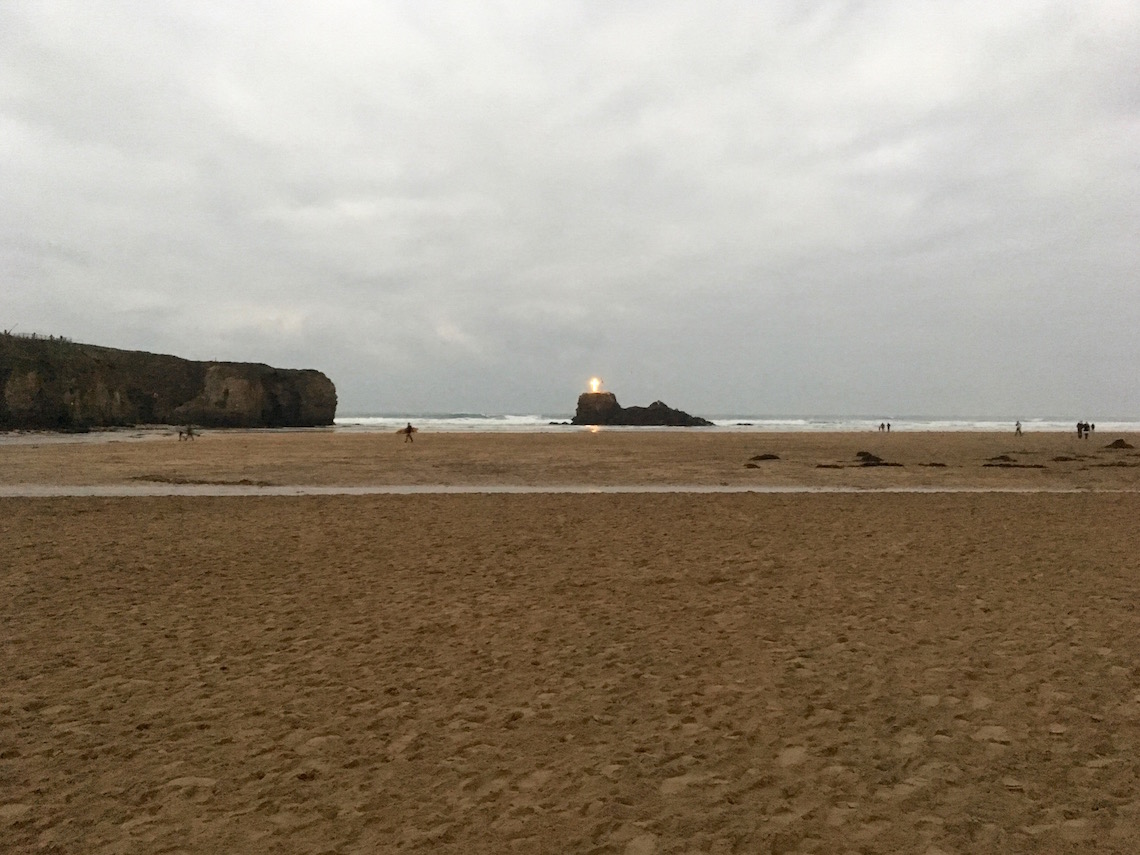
(602, 408)
(596, 408)
(54, 384)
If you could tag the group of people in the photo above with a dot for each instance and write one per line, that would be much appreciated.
(885, 426)
(1083, 429)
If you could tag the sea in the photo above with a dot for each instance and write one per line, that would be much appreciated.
(559, 422)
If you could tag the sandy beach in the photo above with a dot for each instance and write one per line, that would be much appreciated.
(869, 672)
(1052, 461)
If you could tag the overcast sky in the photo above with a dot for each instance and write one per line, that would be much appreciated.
(881, 208)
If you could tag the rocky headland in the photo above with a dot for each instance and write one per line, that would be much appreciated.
(602, 408)
(56, 384)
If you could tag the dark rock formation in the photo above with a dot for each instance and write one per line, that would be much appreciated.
(602, 408)
(596, 408)
(55, 384)
(1119, 443)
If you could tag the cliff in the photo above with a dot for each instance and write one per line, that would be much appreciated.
(56, 384)
(602, 408)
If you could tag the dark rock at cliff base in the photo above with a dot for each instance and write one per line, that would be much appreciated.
(602, 408)
(54, 384)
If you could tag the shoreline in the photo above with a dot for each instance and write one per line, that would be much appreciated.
(491, 428)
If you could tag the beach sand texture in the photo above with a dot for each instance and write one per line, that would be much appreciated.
(682, 457)
(836, 673)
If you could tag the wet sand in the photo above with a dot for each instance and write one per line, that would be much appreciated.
(607, 458)
(630, 673)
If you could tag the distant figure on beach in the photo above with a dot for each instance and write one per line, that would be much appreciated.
(186, 433)
(882, 426)
(407, 432)
(1080, 429)
(1017, 428)
(888, 427)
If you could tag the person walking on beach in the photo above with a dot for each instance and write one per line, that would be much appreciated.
(407, 432)
(1017, 428)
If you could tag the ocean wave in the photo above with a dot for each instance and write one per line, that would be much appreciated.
(461, 422)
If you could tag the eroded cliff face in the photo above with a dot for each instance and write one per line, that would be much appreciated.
(59, 385)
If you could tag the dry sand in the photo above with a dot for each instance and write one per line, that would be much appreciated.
(873, 672)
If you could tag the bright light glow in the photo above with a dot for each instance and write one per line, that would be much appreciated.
(595, 384)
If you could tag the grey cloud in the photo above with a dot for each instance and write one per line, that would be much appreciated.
(835, 207)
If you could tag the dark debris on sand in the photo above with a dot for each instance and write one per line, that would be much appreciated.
(866, 458)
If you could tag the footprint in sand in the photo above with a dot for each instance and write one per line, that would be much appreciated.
(992, 733)
(193, 788)
(400, 745)
(793, 756)
(535, 780)
(672, 786)
(643, 844)
(13, 811)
